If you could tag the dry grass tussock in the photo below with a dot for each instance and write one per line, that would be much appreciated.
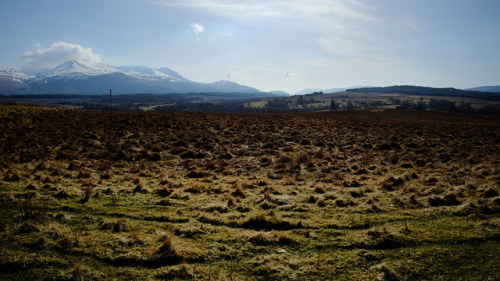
(347, 195)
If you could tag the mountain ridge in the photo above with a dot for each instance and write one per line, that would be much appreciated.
(428, 91)
(81, 76)
(494, 89)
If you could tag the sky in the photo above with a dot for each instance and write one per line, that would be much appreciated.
(267, 44)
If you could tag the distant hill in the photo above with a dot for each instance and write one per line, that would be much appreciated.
(428, 91)
(312, 90)
(495, 89)
(280, 93)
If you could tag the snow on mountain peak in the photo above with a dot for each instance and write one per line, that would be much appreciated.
(80, 68)
(15, 75)
(151, 73)
(67, 77)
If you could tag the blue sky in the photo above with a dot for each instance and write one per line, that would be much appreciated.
(270, 45)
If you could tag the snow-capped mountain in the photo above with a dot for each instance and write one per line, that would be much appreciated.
(15, 82)
(153, 74)
(79, 68)
(88, 77)
(15, 75)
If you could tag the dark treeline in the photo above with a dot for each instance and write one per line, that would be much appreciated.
(49, 96)
(428, 91)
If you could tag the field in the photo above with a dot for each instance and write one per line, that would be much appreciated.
(376, 194)
(426, 98)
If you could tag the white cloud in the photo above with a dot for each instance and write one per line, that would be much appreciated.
(321, 22)
(262, 9)
(290, 73)
(45, 58)
(237, 75)
(230, 75)
(197, 28)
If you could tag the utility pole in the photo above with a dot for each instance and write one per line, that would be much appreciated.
(110, 100)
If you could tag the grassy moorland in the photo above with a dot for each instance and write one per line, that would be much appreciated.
(334, 195)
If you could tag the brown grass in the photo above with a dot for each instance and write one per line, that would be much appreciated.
(344, 195)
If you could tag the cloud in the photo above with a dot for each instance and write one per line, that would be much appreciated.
(244, 9)
(45, 58)
(251, 10)
(290, 73)
(237, 75)
(197, 28)
(316, 21)
(230, 75)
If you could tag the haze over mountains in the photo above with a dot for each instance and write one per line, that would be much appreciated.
(87, 77)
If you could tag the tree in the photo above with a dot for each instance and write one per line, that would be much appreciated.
(301, 100)
(406, 104)
(332, 104)
(350, 105)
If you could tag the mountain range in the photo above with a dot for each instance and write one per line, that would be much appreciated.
(87, 77)
(81, 76)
